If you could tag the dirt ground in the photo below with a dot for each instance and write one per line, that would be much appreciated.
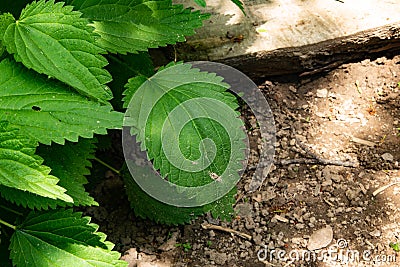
(334, 186)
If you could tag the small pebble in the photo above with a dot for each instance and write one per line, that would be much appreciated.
(322, 93)
(300, 226)
(388, 157)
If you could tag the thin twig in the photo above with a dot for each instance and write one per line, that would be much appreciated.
(318, 160)
(323, 161)
(11, 210)
(329, 203)
(280, 218)
(362, 141)
(383, 188)
(224, 229)
(106, 165)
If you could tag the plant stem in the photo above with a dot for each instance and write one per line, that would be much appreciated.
(7, 224)
(11, 210)
(106, 165)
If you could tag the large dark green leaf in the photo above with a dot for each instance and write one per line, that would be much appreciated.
(52, 39)
(61, 238)
(21, 169)
(136, 25)
(47, 110)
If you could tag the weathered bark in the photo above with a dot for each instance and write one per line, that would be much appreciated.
(309, 59)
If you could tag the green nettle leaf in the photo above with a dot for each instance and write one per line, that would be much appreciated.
(239, 4)
(2, 50)
(133, 84)
(201, 3)
(136, 25)
(223, 207)
(169, 89)
(69, 163)
(47, 110)
(52, 39)
(145, 206)
(61, 238)
(5, 20)
(104, 142)
(165, 91)
(20, 168)
(133, 65)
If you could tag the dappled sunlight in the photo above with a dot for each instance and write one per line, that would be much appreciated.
(337, 161)
(295, 23)
(355, 124)
(278, 16)
(352, 114)
(227, 8)
(385, 197)
(275, 24)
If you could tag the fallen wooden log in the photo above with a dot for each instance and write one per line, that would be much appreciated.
(323, 56)
(279, 37)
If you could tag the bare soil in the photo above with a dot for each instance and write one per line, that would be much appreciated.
(347, 117)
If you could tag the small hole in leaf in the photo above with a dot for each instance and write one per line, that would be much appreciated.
(36, 108)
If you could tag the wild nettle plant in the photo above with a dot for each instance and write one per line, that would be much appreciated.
(60, 65)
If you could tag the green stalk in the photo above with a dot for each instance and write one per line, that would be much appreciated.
(106, 165)
(7, 224)
(11, 210)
